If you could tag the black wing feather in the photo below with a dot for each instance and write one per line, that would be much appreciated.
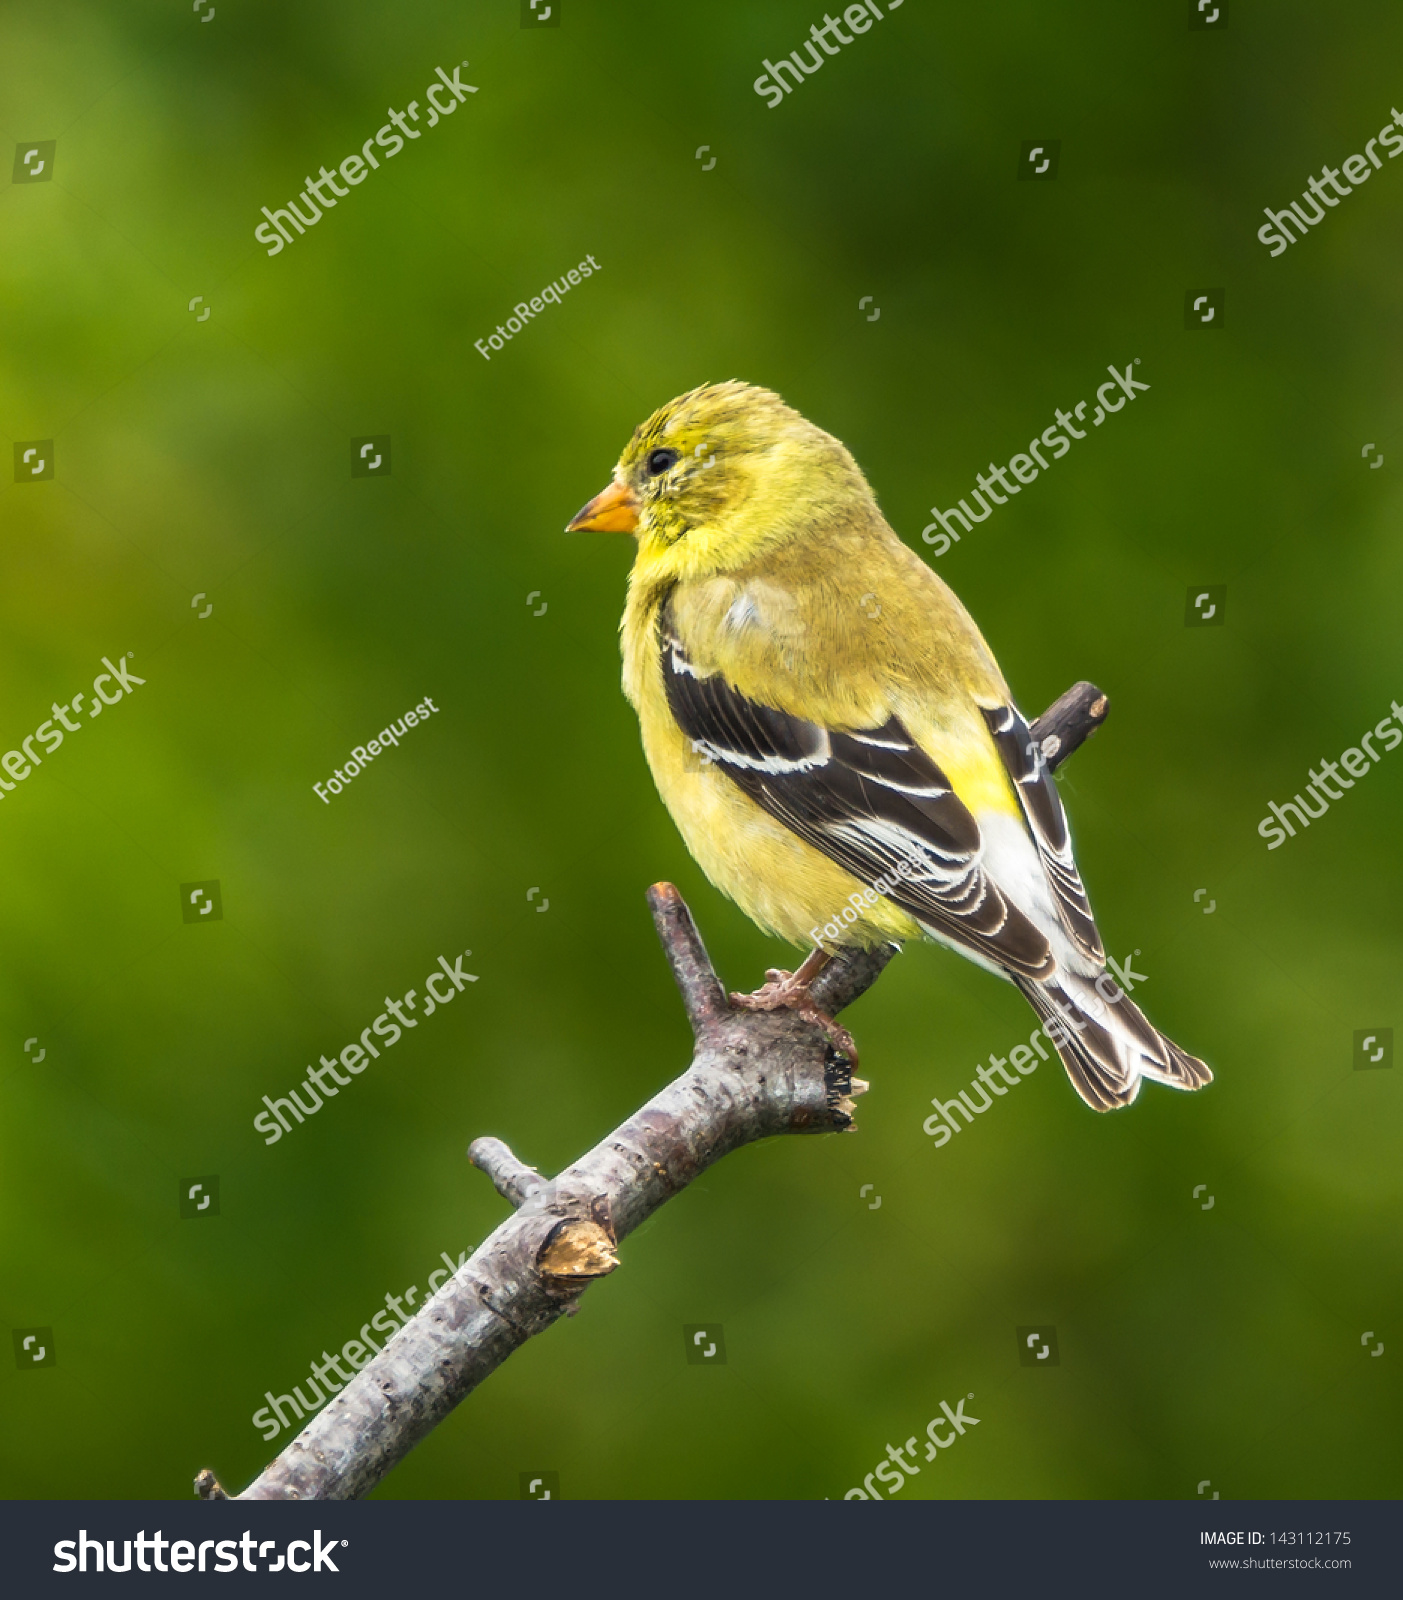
(1047, 823)
(867, 798)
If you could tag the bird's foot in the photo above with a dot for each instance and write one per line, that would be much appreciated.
(789, 991)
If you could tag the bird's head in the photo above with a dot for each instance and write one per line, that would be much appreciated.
(718, 475)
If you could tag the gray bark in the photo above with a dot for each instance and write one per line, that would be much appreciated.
(752, 1074)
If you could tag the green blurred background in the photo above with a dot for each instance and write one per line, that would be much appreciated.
(213, 457)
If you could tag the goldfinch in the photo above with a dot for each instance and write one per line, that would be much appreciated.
(832, 735)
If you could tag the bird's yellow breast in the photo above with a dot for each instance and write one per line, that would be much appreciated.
(781, 883)
(794, 634)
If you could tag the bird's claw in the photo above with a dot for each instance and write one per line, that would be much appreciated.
(786, 991)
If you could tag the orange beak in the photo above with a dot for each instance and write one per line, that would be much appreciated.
(613, 511)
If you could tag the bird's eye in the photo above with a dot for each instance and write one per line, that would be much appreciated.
(660, 460)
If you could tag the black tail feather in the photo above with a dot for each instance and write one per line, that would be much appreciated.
(1108, 1047)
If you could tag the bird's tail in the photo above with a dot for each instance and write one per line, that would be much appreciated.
(1107, 1045)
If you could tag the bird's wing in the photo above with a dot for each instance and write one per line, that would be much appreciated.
(1047, 823)
(868, 799)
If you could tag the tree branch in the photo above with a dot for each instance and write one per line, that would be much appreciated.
(752, 1074)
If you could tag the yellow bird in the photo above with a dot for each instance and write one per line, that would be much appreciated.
(834, 738)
